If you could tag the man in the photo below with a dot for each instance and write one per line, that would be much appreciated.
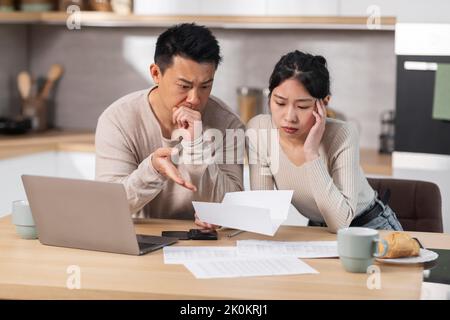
(140, 135)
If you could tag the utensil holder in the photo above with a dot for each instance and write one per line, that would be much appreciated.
(36, 108)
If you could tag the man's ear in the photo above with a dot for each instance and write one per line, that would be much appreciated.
(155, 73)
(326, 100)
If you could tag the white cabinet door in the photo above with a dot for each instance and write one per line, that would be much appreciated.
(232, 7)
(238, 7)
(405, 10)
(11, 170)
(302, 7)
(166, 7)
(76, 165)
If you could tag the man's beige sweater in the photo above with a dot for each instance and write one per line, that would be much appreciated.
(127, 134)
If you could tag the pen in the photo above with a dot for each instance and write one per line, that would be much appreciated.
(235, 233)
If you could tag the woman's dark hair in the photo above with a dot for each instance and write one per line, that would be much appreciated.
(187, 40)
(309, 70)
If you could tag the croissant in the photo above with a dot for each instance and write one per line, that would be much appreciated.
(400, 245)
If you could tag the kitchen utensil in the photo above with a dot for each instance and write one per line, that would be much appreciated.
(24, 84)
(54, 73)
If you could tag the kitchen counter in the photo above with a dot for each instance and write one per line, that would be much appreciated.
(109, 19)
(53, 140)
(372, 162)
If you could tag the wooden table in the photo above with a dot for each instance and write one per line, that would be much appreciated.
(29, 270)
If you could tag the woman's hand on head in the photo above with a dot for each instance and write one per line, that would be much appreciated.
(312, 142)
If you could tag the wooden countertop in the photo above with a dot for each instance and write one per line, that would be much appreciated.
(14, 146)
(108, 19)
(372, 162)
(30, 270)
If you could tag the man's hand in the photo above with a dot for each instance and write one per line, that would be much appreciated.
(162, 163)
(188, 119)
(205, 225)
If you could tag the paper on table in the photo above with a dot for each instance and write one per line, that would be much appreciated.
(180, 255)
(299, 249)
(261, 211)
(248, 267)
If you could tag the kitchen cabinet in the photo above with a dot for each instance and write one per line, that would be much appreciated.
(76, 165)
(302, 7)
(436, 11)
(239, 7)
(11, 187)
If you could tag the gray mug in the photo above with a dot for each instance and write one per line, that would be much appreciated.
(357, 248)
(23, 219)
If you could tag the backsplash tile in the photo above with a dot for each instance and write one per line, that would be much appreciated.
(104, 64)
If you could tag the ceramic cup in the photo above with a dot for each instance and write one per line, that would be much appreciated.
(357, 248)
(23, 219)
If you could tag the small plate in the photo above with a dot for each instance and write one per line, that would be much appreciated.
(424, 256)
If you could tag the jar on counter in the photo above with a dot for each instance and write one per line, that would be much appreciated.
(250, 101)
(100, 5)
(6, 5)
(64, 4)
(36, 5)
(123, 7)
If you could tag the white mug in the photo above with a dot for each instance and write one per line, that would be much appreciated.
(357, 248)
(23, 219)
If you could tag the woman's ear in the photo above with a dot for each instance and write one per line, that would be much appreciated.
(326, 100)
(155, 73)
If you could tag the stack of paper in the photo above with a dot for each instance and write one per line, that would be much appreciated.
(299, 249)
(180, 255)
(255, 211)
(250, 258)
(248, 267)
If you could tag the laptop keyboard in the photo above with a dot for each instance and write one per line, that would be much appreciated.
(150, 243)
(151, 239)
(143, 246)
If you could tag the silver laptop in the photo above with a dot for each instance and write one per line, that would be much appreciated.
(86, 214)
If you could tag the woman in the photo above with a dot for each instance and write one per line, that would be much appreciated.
(315, 156)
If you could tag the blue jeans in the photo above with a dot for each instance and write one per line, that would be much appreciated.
(386, 220)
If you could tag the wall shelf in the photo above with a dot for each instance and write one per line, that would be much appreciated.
(105, 19)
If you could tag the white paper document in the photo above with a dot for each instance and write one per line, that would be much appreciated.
(299, 249)
(181, 255)
(248, 267)
(261, 211)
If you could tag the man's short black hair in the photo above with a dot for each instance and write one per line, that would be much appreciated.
(187, 40)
